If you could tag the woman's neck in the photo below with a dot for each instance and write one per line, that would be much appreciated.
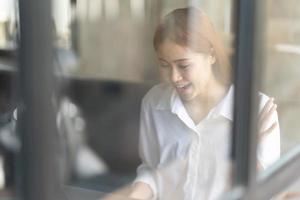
(211, 95)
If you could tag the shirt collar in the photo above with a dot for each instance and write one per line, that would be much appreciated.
(171, 101)
(225, 107)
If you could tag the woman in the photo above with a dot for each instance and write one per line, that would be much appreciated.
(185, 122)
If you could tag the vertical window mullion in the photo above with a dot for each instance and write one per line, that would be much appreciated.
(244, 142)
(36, 120)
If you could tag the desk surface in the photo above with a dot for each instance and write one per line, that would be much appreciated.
(76, 193)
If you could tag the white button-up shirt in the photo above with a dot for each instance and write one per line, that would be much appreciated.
(187, 161)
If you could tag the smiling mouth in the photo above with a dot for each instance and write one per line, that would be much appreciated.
(182, 87)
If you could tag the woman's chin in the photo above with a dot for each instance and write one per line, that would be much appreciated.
(186, 97)
(186, 94)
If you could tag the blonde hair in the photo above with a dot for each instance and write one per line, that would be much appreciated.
(190, 27)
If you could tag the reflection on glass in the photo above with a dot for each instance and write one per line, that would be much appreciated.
(112, 9)
(138, 8)
(185, 121)
(8, 20)
(291, 192)
(280, 77)
(9, 142)
(94, 9)
(61, 13)
(80, 159)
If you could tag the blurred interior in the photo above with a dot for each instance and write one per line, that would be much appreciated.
(105, 63)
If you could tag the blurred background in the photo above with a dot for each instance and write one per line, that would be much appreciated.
(105, 63)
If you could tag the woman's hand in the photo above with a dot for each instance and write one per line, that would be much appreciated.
(141, 191)
(264, 122)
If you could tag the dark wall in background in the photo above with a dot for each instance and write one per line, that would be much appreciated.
(111, 110)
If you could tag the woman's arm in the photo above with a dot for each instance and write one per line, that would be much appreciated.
(141, 191)
(144, 186)
(266, 122)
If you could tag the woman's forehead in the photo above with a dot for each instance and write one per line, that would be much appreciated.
(170, 47)
(171, 52)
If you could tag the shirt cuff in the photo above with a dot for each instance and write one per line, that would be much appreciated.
(148, 178)
(269, 150)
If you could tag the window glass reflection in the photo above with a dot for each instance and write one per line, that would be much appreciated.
(114, 77)
(104, 96)
(280, 73)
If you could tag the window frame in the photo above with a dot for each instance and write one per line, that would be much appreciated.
(248, 61)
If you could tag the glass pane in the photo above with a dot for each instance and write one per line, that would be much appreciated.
(111, 135)
(129, 24)
(8, 20)
(9, 143)
(280, 78)
(290, 192)
(135, 128)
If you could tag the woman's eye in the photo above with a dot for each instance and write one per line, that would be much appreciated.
(185, 66)
(164, 65)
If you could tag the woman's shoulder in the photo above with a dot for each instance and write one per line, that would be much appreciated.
(158, 94)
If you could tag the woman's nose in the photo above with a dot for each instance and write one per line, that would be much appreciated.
(175, 75)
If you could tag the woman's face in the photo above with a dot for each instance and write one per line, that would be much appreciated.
(189, 72)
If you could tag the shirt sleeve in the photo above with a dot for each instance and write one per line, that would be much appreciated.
(148, 150)
(269, 145)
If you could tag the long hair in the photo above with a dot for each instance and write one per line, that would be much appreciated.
(190, 27)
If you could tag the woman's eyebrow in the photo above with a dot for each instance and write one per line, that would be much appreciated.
(162, 59)
(180, 60)
(175, 61)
